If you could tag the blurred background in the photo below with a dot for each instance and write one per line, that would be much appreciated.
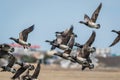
(50, 16)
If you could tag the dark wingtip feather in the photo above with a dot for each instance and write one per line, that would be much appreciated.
(37, 70)
(33, 26)
(94, 33)
(101, 3)
(110, 46)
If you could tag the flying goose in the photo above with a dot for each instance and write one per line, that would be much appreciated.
(66, 53)
(62, 39)
(5, 52)
(117, 39)
(58, 43)
(66, 32)
(85, 50)
(35, 75)
(22, 40)
(22, 69)
(91, 22)
(11, 61)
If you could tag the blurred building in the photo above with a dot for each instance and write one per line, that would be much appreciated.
(102, 56)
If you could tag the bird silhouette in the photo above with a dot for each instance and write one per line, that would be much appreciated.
(23, 36)
(117, 39)
(62, 39)
(91, 22)
(84, 51)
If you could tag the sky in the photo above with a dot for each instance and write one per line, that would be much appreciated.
(50, 16)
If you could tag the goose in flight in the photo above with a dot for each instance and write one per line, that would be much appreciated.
(117, 39)
(91, 22)
(11, 61)
(35, 75)
(83, 52)
(66, 53)
(23, 68)
(62, 39)
(5, 52)
(22, 40)
(66, 32)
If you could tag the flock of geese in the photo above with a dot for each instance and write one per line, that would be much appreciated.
(64, 40)
(6, 52)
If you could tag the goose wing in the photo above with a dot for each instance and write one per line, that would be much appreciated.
(117, 39)
(91, 39)
(11, 61)
(24, 34)
(37, 70)
(19, 72)
(71, 41)
(86, 18)
(96, 13)
(68, 31)
(70, 44)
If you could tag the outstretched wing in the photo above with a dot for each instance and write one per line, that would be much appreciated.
(11, 61)
(24, 34)
(96, 13)
(19, 72)
(71, 41)
(91, 39)
(117, 39)
(37, 70)
(68, 32)
(70, 44)
(86, 18)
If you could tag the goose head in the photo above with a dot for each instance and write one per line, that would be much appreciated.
(12, 38)
(98, 26)
(78, 45)
(82, 22)
(16, 40)
(58, 32)
(75, 35)
(91, 49)
(31, 67)
(29, 44)
(115, 31)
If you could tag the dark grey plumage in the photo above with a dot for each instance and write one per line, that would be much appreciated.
(66, 53)
(91, 22)
(37, 70)
(62, 38)
(11, 62)
(85, 50)
(5, 52)
(35, 75)
(117, 39)
(23, 36)
(6, 48)
(22, 69)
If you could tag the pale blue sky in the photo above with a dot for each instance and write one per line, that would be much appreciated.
(50, 16)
